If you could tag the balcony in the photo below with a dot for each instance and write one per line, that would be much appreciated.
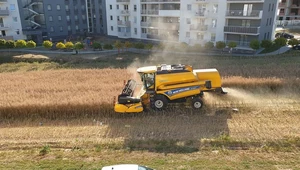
(242, 30)
(4, 12)
(198, 27)
(281, 5)
(4, 27)
(239, 43)
(3, 1)
(124, 34)
(124, 23)
(123, 1)
(255, 14)
(149, 12)
(245, 1)
(7, 37)
(124, 12)
(160, 1)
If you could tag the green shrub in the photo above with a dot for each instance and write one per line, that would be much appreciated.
(232, 44)
(108, 47)
(209, 45)
(139, 45)
(280, 41)
(78, 46)
(10, 44)
(255, 44)
(220, 44)
(149, 46)
(20, 43)
(2, 43)
(60, 45)
(118, 44)
(45, 150)
(30, 44)
(293, 42)
(47, 44)
(127, 44)
(69, 45)
(266, 44)
(97, 46)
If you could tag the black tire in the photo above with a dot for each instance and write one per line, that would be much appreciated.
(197, 103)
(159, 102)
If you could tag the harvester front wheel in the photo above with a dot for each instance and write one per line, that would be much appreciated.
(159, 102)
(197, 103)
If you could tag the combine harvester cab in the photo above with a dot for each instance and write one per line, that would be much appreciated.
(165, 84)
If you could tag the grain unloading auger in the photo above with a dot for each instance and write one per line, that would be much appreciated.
(165, 84)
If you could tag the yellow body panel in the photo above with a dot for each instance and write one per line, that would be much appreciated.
(128, 108)
(209, 74)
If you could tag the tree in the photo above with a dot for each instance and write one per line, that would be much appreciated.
(149, 46)
(139, 45)
(97, 46)
(20, 43)
(280, 41)
(47, 44)
(30, 44)
(10, 44)
(60, 45)
(127, 45)
(266, 44)
(2, 43)
(220, 45)
(118, 44)
(209, 45)
(293, 42)
(69, 45)
(255, 44)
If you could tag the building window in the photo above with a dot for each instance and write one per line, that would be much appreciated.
(188, 34)
(267, 22)
(15, 19)
(68, 18)
(265, 36)
(59, 18)
(58, 7)
(110, 6)
(76, 27)
(144, 30)
(273, 7)
(49, 7)
(135, 31)
(269, 7)
(61, 29)
(213, 37)
(50, 18)
(111, 28)
(189, 7)
(12, 7)
(270, 21)
(111, 18)
(119, 29)
(67, 7)
(188, 21)
(82, 7)
(117, 6)
(215, 8)
(214, 23)
(69, 28)
(118, 18)
(51, 29)
(76, 18)
(126, 7)
(269, 35)
(134, 8)
(200, 36)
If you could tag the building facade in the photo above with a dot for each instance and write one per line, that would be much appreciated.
(63, 19)
(192, 21)
(10, 25)
(288, 13)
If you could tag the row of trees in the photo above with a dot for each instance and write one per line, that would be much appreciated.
(68, 45)
(16, 44)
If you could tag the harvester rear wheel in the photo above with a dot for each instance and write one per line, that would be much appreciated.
(197, 103)
(159, 102)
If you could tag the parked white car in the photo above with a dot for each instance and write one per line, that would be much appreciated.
(126, 167)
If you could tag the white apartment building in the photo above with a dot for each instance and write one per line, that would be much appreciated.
(192, 21)
(288, 13)
(10, 24)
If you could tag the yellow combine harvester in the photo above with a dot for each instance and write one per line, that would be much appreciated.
(165, 84)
